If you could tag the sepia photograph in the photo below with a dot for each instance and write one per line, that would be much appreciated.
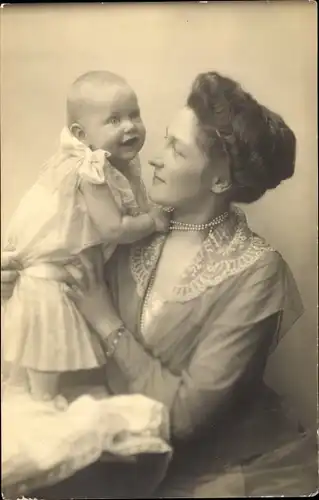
(159, 228)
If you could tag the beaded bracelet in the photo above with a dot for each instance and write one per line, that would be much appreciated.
(119, 333)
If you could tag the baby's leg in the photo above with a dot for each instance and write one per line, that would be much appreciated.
(44, 386)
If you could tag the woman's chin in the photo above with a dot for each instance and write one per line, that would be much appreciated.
(155, 197)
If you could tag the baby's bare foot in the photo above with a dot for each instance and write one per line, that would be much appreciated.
(51, 402)
(61, 403)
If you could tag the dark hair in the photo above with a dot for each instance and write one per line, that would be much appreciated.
(260, 146)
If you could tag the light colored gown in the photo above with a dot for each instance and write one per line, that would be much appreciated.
(41, 446)
(42, 327)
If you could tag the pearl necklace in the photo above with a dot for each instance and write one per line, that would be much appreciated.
(183, 226)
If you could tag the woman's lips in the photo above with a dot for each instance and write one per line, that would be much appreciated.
(156, 178)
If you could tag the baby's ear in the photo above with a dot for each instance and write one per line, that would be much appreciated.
(78, 131)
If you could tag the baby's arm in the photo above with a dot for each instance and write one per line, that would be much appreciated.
(113, 226)
(136, 228)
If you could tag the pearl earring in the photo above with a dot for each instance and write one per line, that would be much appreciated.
(220, 187)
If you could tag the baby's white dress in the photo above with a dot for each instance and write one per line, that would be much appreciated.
(42, 327)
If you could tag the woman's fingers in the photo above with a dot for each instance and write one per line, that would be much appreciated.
(87, 271)
(6, 291)
(8, 279)
(9, 260)
(8, 276)
(100, 266)
(73, 292)
(75, 276)
(90, 265)
(98, 263)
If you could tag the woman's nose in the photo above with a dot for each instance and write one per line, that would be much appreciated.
(156, 162)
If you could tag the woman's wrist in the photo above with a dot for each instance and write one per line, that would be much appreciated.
(107, 326)
(111, 342)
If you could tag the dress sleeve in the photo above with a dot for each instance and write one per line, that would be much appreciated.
(232, 347)
(94, 167)
(102, 209)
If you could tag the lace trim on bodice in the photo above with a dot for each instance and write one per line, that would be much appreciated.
(227, 251)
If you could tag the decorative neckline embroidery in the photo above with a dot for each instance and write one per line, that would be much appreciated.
(227, 251)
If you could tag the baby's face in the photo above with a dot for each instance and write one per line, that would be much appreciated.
(114, 123)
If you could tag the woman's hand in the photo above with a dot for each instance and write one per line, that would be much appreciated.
(86, 287)
(9, 274)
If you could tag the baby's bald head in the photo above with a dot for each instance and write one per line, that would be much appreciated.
(103, 113)
(89, 90)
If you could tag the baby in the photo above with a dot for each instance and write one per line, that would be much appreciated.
(89, 194)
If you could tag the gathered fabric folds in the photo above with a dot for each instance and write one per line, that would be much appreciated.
(41, 447)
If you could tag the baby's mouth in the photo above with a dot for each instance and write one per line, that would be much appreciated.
(129, 142)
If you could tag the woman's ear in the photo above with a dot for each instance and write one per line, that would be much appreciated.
(78, 131)
(221, 181)
(220, 186)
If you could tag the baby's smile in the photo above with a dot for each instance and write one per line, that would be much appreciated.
(130, 141)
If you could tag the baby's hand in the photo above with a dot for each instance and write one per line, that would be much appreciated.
(161, 219)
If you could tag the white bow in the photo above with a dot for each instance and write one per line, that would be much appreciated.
(91, 163)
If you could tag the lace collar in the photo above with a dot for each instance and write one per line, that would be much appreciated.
(227, 251)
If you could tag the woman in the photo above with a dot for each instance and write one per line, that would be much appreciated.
(195, 313)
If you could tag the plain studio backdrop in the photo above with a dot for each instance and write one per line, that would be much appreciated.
(269, 47)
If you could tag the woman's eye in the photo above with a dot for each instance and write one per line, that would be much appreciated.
(169, 142)
(177, 151)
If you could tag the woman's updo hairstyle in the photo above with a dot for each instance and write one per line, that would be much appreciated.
(260, 146)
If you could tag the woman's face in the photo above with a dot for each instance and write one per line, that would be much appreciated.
(182, 174)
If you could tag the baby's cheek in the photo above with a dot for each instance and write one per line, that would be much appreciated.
(142, 134)
(110, 139)
(142, 130)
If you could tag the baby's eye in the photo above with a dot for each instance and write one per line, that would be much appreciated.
(114, 120)
(135, 115)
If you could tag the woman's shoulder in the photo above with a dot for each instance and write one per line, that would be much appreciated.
(261, 268)
(266, 286)
(252, 252)
(267, 255)
(241, 257)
